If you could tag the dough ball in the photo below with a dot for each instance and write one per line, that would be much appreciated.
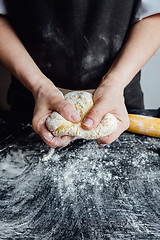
(82, 102)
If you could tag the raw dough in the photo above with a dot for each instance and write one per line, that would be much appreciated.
(82, 102)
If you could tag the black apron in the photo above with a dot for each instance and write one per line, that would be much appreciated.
(74, 43)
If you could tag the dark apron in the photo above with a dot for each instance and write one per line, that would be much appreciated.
(74, 43)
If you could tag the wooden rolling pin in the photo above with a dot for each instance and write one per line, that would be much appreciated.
(145, 125)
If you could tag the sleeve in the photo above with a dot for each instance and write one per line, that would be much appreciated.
(146, 8)
(3, 9)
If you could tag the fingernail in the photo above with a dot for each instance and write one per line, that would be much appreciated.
(75, 117)
(48, 136)
(102, 144)
(88, 122)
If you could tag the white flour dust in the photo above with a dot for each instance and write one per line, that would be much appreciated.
(13, 164)
(82, 191)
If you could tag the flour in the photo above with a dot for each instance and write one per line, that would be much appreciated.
(49, 155)
(13, 164)
(80, 190)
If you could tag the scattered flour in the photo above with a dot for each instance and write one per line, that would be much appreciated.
(13, 164)
(80, 190)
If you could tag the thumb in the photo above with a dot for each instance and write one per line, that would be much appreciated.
(66, 110)
(94, 116)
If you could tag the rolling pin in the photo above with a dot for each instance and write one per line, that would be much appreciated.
(145, 125)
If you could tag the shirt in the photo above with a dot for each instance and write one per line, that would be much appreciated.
(146, 8)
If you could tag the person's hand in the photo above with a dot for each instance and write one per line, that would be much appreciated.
(108, 98)
(48, 99)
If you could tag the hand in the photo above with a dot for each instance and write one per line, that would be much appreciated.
(48, 99)
(107, 98)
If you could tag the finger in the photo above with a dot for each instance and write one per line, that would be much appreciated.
(51, 140)
(38, 121)
(95, 115)
(67, 111)
(121, 127)
(66, 140)
(56, 102)
(40, 127)
(59, 141)
(48, 138)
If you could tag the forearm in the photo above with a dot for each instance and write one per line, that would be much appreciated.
(142, 43)
(16, 59)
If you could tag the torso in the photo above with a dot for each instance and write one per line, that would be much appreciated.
(74, 43)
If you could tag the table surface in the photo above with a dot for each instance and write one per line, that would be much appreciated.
(81, 191)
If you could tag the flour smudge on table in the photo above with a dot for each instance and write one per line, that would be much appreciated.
(82, 191)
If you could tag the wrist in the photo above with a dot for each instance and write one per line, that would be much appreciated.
(46, 88)
(31, 76)
(113, 80)
(37, 83)
(42, 84)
